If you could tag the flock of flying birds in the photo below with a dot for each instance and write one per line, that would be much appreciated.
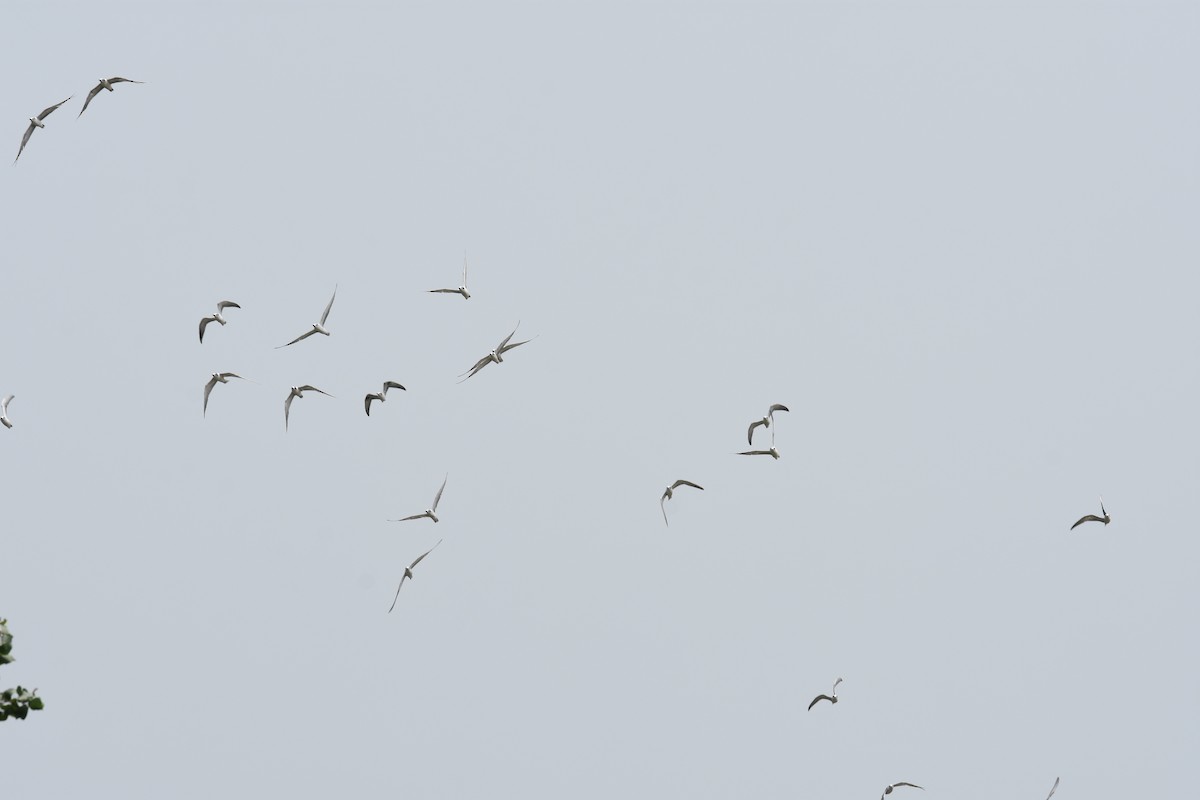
(39, 120)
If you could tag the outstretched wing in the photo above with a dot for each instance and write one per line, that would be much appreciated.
(427, 552)
(50, 110)
(367, 402)
(905, 783)
(298, 338)
(91, 94)
(1052, 789)
(1086, 518)
(662, 503)
(25, 140)
(397, 597)
(123, 80)
(208, 387)
(818, 699)
(392, 385)
(307, 388)
(224, 304)
(750, 431)
(505, 348)
(287, 408)
(438, 497)
(682, 482)
(4, 403)
(204, 324)
(500, 348)
(325, 313)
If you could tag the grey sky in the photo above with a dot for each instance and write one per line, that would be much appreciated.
(958, 240)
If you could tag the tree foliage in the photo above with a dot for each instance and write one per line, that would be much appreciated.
(20, 701)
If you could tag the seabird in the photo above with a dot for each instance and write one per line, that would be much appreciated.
(298, 391)
(1052, 789)
(221, 306)
(381, 396)
(670, 492)
(217, 377)
(496, 356)
(105, 83)
(773, 453)
(461, 289)
(318, 327)
(1093, 518)
(431, 511)
(831, 697)
(36, 122)
(765, 421)
(4, 410)
(888, 790)
(408, 573)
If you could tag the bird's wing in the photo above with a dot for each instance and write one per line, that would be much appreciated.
(480, 364)
(464, 283)
(49, 110)
(123, 80)
(367, 402)
(307, 388)
(835, 685)
(438, 497)
(427, 552)
(4, 403)
(91, 94)
(500, 349)
(776, 407)
(750, 432)
(232, 375)
(208, 387)
(406, 519)
(443, 291)
(402, 577)
(755, 453)
(298, 338)
(905, 783)
(204, 324)
(1086, 518)
(224, 304)
(682, 482)
(818, 699)
(287, 408)
(662, 503)
(505, 348)
(1102, 511)
(392, 385)
(25, 140)
(1052, 789)
(325, 313)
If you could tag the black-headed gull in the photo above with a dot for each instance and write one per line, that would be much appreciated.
(105, 83)
(496, 356)
(765, 421)
(381, 396)
(430, 512)
(298, 391)
(670, 492)
(4, 410)
(408, 573)
(318, 327)
(831, 697)
(217, 377)
(889, 789)
(221, 306)
(36, 122)
(1093, 518)
(461, 289)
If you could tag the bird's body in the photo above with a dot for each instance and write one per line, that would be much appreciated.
(831, 697)
(35, 123)
(773, 453)
(4, 410)
(381, 396)
(217, 377)
(670, 492)
(221, 306)
(764, 422)
(430, 512)
(889, 789)
(298, 391)
(1093, 518)
(408, 573)
(496, 356)
(318, 327)
(105, 83)
(462, 290)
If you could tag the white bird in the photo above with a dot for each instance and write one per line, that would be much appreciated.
(773, 453)
(1052, 789)
(36, 122)
(831, 697)
(670, 492)
(105, 83)
(461, 289)
(1093, 518)
(217, 377)
(496, 356)
(889, 789)
(221, 306)
(381, 396)
(4, 410)
(298, 391)
(431, 511)
(765, 421)
(318, 327)
(408, 573)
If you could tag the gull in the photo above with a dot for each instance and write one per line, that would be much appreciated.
(1052, 789)
(36, 122)
(773, 453)
(889, 789)
(831, 697)
(105, 83)
(408, 573)
(4, 410)
(217, 377)
(461, 289)
(381, 396)
(496, 356)
(670, 492)
(298, 391)
(429, 512)
(1093, 518)
(765, 421)
(318, 327)
(221, 306)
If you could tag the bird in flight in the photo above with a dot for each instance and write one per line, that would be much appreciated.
(765, 421)
(831, 697)
(408, 573)
(461, 289)
(217, 377)
(4, 410)
(221, 306)
(889, 789)
(298, 391)
(773, 453)
(318, 327)
(105, 83)
(36, 122)
(381, 396)
(1093, 518)
(496, 356)
(1052, 789)
(430, 512)
(670, 492)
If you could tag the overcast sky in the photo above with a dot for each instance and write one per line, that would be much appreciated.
(958, 240)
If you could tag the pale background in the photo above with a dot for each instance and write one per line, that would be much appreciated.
(959, 240)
